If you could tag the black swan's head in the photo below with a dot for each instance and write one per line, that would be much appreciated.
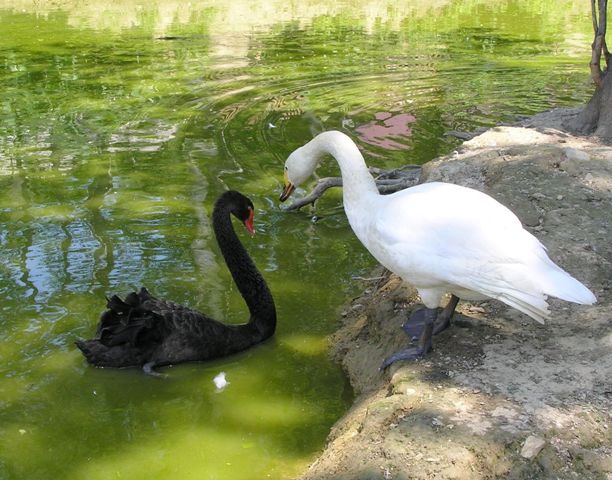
(240, 206)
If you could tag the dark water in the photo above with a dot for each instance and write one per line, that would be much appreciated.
(120, 124)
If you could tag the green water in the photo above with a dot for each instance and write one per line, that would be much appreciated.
(120, 124)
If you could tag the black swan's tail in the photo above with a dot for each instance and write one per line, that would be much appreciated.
(125, 327)
(127, 321)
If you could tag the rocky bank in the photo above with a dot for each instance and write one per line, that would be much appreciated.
(501, 396)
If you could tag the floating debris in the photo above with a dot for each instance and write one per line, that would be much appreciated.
(220, 381)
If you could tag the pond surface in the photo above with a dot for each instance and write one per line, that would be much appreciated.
(121, 123)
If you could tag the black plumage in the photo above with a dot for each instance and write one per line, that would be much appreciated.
(148, 332)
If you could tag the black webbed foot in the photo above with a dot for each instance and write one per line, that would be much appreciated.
(413, 327)
(422, 325)
(424, 341)
(412, 353)
(415, 324)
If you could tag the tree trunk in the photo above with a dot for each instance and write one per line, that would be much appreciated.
(604, 98)
(596, 117)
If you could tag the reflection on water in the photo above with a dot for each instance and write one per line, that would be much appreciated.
(387, 130)
(120, 124)
(143, 136)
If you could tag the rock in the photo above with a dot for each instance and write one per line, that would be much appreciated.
(436, 422)
(532, 446)
(576, 155)
(476, 309)
(531, 218)
(573, 160)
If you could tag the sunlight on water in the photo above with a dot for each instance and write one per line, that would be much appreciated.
(120, 125)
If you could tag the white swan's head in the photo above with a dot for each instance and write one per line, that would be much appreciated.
(298, 167)
(302, 162)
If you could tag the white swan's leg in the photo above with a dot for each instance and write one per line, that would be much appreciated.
(415, 324)
(444, 317)
(423, 344)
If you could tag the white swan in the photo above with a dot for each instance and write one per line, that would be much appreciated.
(441, 238)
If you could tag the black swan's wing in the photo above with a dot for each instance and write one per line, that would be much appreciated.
(142, 320)
(144, 330)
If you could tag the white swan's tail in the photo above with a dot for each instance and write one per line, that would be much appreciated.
(533, 305)
(558, 283)
(537, 277)
(527, 285)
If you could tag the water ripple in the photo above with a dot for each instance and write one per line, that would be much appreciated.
(147, 135)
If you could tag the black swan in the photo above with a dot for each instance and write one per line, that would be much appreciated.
(148, 332)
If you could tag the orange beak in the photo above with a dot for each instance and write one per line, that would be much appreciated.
(288, 190)
(248, 223)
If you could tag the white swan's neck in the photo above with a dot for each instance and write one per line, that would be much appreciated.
(359, 192)
(358, 185)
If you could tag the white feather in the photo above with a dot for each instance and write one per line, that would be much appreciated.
(220, 381)
(443, 238)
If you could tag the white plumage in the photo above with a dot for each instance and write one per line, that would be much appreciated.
(444, 238)
(440, 237)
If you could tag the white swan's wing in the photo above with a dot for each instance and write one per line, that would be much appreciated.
(433, 225)
(431, 237)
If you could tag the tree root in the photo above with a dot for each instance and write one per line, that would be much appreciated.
(387, 181)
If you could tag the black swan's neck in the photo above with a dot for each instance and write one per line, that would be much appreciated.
(247, 278)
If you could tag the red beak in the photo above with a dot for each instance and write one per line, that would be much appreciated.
(248, 223)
